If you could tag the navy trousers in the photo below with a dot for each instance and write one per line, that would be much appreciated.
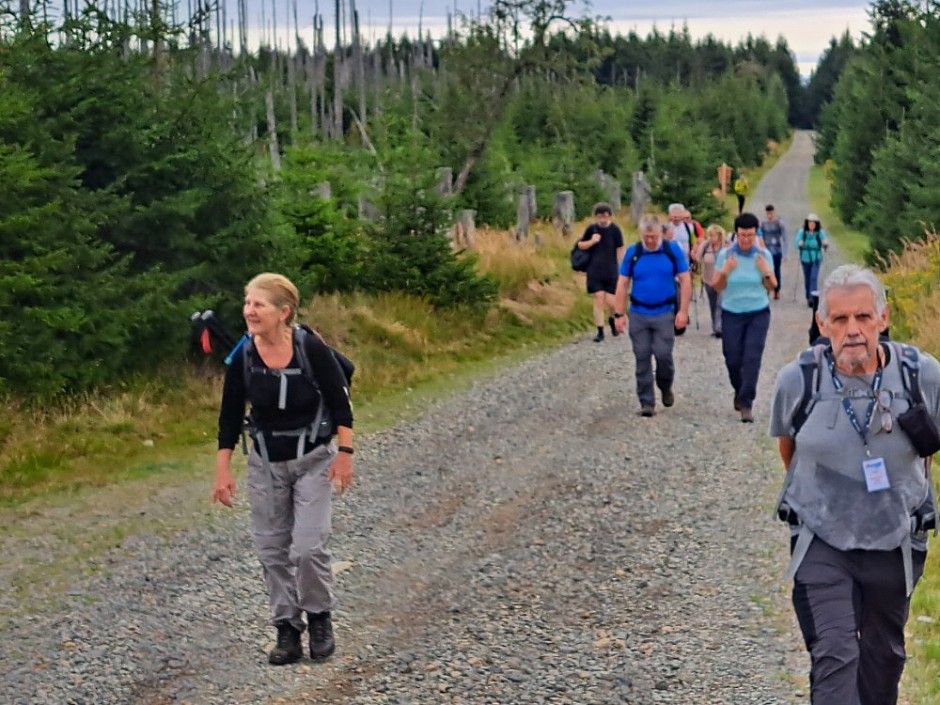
(743, 336)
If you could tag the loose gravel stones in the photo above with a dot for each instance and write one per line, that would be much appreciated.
(531, 540)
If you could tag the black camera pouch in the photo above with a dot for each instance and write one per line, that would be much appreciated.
(921, 430)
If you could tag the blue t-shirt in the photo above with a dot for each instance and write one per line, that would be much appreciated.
(745, 292)
(653, 290)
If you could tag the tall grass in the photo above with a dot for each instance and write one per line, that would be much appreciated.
(913, 278)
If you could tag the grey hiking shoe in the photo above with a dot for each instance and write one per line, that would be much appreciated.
(288, 648)
(747, 416)
(322, 644)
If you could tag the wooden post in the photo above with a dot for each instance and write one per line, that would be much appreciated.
(563, 212)
(523, 215)
(465, 229)
(639, 196)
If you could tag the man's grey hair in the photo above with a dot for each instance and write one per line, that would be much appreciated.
(849, 276)
(676, 208)
(649, 222)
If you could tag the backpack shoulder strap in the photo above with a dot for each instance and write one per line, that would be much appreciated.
(634, 253)
(300, 333)
(667, 248)
(247, 348)
(809, 365)
(910, 372)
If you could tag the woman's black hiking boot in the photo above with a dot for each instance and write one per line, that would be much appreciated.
(322, 644)
(288, 648)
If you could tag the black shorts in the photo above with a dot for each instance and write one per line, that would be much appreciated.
(595, 284)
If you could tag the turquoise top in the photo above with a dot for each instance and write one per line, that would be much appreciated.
(745, 292)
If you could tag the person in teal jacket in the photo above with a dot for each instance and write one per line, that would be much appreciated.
(812, 242)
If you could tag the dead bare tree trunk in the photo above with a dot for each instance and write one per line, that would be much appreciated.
(338, 76)
(272, 132)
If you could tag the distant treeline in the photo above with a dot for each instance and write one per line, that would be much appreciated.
(149, 171)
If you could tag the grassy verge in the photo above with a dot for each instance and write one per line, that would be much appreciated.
(852, 244)
(914, 281)
(407, 353)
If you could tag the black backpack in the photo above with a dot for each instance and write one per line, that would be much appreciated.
(580, 259)
(300, 333)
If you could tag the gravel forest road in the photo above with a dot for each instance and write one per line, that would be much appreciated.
(529, 540)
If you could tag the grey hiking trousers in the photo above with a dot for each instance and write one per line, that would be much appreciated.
(652, 337)
(291, 511)
(852, 609)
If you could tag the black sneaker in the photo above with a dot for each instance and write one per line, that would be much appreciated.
(288, 648)
(599, 338)
(613, 327)
(322, 644)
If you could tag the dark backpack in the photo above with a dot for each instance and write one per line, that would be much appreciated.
(580, 259)
(639, 251)
(300, 333)
(323, 423)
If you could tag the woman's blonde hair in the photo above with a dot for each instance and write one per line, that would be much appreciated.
(281, 290)
(714, 229)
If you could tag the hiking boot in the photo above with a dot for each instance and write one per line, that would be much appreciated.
(613, 327)
(737, 404)
(322, 644)
(747, 416)
(288, 648)
(668, 398)
(647, 411)
(600, 336)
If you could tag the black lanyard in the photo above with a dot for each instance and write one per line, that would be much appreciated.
(847, 405)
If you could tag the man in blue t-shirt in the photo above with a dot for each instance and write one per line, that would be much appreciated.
(660, 288)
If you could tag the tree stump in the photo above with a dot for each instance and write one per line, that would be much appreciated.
(563, 212)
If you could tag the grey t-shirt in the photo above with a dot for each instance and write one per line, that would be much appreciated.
(826, 483)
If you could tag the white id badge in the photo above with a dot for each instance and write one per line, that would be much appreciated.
(876, 475)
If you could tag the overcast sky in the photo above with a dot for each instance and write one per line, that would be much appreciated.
(807, 24)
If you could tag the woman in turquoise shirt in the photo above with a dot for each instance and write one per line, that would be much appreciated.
(811, 241)
(744, 274)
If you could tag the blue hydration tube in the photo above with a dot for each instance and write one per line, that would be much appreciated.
(238, 346)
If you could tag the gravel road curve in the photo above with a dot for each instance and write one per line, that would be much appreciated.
(531, 540)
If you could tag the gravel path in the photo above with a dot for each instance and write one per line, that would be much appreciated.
(530, 541)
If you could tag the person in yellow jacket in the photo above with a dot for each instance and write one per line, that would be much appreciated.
(740, 190)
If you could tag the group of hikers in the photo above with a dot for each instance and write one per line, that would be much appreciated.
(858, 497)
(738, 274)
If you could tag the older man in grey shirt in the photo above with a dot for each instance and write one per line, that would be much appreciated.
(855, 479)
